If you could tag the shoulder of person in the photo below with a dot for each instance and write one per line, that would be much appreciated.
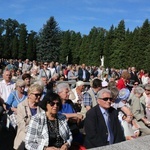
(61, 116)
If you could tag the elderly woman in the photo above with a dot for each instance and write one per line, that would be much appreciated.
(15, 98)
(139, 111)
(25, 110)
(49, 129)
(67, 109)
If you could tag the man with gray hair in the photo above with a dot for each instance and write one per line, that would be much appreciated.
(102, 126)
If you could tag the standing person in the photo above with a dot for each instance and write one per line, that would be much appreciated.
(83, 74)
(52, 68)
(58, 67)
(25, 110)
(45, 71)
(51, 124)
(102, 126)
(26, 66)
(134, 77)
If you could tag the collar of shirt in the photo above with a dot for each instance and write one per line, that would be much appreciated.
(3, 81)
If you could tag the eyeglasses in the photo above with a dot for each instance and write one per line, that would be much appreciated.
(37, 94)
(107, 98)
(136, 84)
(45, 64)
(53, 103)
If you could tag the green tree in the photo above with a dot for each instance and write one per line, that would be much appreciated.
(49, 41)
(22, 41)
(31, 45)
(11, 28)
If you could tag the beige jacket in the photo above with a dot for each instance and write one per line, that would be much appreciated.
(23, 118)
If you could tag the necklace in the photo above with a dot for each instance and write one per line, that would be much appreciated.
(54, 128)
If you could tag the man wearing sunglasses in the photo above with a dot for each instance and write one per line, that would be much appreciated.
(102, 126)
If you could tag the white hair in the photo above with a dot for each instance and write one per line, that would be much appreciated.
(102, 91)
(61, 86)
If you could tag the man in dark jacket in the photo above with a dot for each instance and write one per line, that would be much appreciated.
(83, 74)
(102, 126)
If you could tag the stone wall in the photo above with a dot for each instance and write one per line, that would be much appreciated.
(141, 143)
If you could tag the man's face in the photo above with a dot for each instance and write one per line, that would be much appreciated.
(7, 76)
(45, 81)
(103, 102)
(147, 92)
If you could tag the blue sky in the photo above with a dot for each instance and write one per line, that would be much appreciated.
(77, 15)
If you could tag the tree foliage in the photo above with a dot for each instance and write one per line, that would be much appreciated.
(119, 46)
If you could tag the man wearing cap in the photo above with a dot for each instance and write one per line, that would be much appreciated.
(76, 95)
(102, 126)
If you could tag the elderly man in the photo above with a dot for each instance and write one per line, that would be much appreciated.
(6, 86)
(26, 66)
(102, 126)
(76, 95)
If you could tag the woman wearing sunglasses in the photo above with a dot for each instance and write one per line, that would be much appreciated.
(25, 110)
(49, 129)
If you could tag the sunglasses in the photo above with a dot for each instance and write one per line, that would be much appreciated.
(37, 94)
(106, 98)
(22, 86)
(136, 84)
(53, 103)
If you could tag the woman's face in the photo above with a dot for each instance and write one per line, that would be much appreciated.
(27, 81)
(35, 96)
(20, 89)
(53, 107)
(64, 94)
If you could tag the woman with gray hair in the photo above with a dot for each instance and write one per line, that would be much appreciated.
(67, 109)
(138, 111)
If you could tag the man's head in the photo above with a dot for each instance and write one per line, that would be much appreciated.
(97, 85)
(147, 89)
(80, 85)
(104, 98)
(7, 75)
(44, 80)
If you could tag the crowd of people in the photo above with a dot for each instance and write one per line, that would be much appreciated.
(47, 105)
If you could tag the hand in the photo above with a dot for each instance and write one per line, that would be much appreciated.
(14, 110)
(79, 116)
(51, 148)
(64, 146)
(128, 119)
